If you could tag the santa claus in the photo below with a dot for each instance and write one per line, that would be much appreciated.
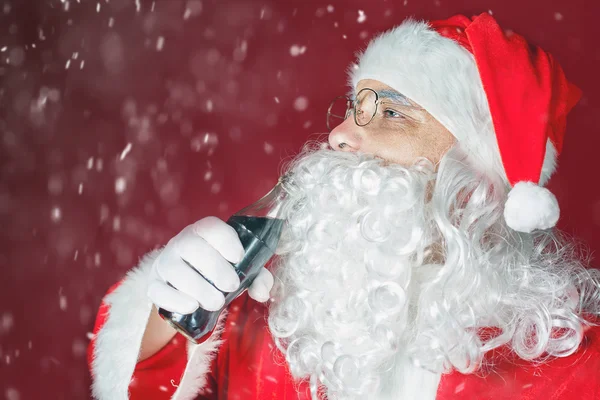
(419, 258)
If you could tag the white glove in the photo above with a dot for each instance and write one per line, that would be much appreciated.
(206, 247)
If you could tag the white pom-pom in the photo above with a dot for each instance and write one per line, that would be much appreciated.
(530, 207)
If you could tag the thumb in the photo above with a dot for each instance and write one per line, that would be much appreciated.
(261, 286)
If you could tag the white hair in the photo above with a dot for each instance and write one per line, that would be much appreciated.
(383, 263)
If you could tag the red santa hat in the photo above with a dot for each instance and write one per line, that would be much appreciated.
(504, 100)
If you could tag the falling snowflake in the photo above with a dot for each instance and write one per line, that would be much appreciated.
(6, 323)
(160, 43)
(193, 8)
(301, 103)
(361, 17)
(125, 151)
(120, 185)
(215, 188)
(56, 214)
(12, 394)
(62, 301)
(268, 147)
(297, 50)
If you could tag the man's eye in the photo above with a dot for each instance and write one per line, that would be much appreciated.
(389, 113)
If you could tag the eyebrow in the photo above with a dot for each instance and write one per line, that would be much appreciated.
(396, 97)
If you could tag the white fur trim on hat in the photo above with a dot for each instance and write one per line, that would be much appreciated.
(440, 75)
(530, 207)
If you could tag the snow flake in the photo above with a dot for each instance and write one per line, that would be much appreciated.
(268, 147)
(459, 388)
(62, 301)
(56, 214)
(330, 8)
(216, 188)
(125, 151)
(193, 8)
(239, 53)
(297, 50)
(120, 185)
(301, 103)
(361, 17)
(6, 323)
(558, 16)
(12, 393)
(160, 43)
(116, 223)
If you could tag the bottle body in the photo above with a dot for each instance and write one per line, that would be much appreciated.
(259, 236)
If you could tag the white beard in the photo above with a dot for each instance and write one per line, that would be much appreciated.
(345, 284)
(378, 275)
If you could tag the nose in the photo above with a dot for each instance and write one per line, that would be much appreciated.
(345, 137)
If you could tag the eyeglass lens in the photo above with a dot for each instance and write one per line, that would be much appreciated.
(342, 107)
(366, 106)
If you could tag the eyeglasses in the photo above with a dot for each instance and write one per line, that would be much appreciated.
(364, 108)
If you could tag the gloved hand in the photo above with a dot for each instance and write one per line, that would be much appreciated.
(197, 255)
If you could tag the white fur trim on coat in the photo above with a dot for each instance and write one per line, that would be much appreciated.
(119, 341)
(441, 76)
(200, 357)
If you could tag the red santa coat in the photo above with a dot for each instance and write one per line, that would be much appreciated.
(240, 361)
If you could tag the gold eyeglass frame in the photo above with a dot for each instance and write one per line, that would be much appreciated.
(351, 106)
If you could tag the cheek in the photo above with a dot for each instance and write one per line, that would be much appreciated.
(400, 147)
(406, 147)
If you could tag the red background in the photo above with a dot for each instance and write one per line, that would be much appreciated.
(210, 113)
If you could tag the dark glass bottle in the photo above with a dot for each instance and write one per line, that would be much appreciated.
(259, 231)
